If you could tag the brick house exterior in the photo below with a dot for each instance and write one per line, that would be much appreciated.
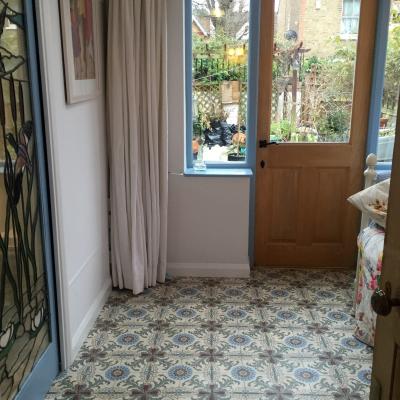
(315, 21)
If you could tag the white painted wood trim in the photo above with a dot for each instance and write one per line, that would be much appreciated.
(84, 265)
(370, 173)
(90, 317)
(209, 270)
(370, 176)
(44, 33)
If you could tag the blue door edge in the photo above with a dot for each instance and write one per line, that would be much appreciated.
(39, 381)
(47, 367)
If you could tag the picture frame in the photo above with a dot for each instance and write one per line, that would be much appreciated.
(80, 44)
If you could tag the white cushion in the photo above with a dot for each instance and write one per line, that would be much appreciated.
(373, 201)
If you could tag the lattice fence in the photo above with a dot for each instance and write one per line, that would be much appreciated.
(243, 104)
(208, 100)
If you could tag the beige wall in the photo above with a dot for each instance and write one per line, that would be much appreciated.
(320, 26)
(315, 26)
(288, 16)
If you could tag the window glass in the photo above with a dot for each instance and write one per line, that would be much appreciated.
(12, 48)
(387, 125)
(24, 310)
(351, 13)
(220, 42)
(313, 72)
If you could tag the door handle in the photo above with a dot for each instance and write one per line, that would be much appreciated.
(381, 301)
(263, 143)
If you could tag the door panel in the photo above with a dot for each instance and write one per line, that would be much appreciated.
(28, 334)
(328, 229)
(283, 200)
(386, 363)
(302, 215)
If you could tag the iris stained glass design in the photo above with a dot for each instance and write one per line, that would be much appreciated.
(24, 330)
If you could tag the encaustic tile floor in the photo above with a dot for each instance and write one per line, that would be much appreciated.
(280, 335)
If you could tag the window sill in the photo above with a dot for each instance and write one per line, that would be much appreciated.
(240, 172)
(348, 36)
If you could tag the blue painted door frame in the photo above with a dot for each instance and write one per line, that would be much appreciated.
(378, 80)
(228, 168)
(47, 367)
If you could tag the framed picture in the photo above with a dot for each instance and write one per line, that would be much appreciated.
(80, 41)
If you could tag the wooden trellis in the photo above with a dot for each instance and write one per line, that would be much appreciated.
(207, 98)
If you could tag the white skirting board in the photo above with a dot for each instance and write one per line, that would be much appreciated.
(209, 270)
(90, 318)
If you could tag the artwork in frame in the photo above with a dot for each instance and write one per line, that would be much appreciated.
(80, 37)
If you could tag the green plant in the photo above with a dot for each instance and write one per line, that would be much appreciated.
(282, 130)
(211, 62)
(335, 121)
(310, 64)
(328, 108)
(392, 68)
(208, 70)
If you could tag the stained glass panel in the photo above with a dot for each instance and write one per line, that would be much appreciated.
(24, 325)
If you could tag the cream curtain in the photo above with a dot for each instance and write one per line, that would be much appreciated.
(137, 135)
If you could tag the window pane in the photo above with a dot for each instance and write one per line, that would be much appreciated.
(347, 8)
(351, 8)
(391, 88)
(356, 8)
(313, 73)
(220, 38)
(349, 25)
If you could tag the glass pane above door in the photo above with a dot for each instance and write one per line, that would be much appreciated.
(24, 322)
(315, 46)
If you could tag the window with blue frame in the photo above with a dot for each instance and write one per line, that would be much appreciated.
(218, 98)
(387, 74)
(350, 17)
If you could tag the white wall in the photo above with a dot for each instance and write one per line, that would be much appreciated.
(208, 219)
(76, 145)
(208, 216)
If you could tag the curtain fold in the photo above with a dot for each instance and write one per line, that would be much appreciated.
(137, 129)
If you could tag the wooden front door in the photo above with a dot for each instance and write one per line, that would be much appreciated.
(386, 364)
(314, 99)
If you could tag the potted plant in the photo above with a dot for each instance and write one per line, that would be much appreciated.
(199, 126)
(237, 151)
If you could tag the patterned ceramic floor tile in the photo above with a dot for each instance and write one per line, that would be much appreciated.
(283, 334)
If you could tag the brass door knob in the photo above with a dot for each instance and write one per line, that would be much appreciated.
(381, 301)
